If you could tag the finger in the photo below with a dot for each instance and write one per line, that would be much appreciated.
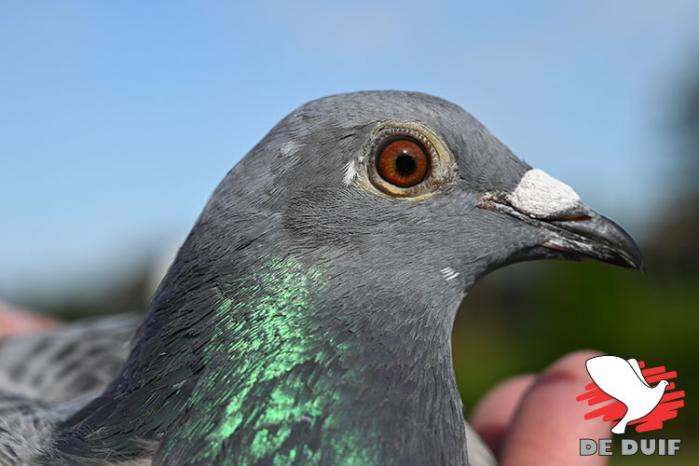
(14, 321)
(549, 423)
(494, 412)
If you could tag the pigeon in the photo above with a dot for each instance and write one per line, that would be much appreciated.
(307, 318)
(623, 380)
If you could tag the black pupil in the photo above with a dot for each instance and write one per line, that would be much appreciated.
(405, 164)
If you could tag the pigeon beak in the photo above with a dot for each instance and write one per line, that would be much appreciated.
(570, 228)
(586, 233)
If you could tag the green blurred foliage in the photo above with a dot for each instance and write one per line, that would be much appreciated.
(506, 328)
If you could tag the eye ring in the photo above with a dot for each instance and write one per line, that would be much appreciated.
(402, 161)
(428, 168)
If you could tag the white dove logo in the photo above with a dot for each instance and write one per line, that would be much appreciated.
(623, 380)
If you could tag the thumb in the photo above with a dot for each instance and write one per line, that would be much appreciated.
(549, 422)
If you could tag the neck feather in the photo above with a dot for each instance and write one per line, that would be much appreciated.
(280, 368)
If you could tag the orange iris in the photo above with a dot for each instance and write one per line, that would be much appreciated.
(402, 162)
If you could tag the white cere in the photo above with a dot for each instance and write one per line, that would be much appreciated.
(540, 195)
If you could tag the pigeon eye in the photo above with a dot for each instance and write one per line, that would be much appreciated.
(407, 159)
(402, 161)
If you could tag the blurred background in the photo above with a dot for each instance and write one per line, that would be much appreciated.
(118, 120)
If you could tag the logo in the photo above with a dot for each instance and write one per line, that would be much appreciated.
(631, 396)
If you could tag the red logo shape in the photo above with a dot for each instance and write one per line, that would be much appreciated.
(614, 410)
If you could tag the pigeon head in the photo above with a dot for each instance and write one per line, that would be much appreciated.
(408, 191)
(309, 312)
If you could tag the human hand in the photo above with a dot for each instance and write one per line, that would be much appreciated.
(534, 420)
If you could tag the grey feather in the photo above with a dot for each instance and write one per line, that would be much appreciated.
(67, 362)
(47, 376)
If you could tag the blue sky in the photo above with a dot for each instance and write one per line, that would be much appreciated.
(119, 118)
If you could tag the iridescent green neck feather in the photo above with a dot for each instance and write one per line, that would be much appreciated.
(278, 366)
(277, 389)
